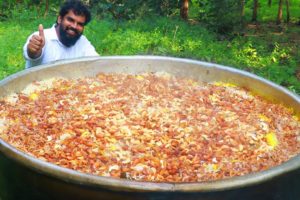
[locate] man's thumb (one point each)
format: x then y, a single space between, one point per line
41 31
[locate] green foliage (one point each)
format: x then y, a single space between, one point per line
223 16
269 14
132 9
268 59
150 36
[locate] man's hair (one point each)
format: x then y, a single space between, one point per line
77 7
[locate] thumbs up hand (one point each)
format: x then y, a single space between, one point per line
36 44
41 32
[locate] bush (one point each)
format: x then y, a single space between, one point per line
222 16
132 9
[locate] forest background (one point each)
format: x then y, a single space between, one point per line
259 36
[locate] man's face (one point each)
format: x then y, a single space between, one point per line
70 28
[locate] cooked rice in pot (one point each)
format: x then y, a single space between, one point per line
149 127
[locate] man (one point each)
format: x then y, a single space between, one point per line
64 40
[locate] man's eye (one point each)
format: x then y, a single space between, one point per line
70 19
81 24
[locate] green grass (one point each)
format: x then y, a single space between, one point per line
269 14
13 35
264 50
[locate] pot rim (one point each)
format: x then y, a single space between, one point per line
76 177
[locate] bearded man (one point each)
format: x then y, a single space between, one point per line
64 40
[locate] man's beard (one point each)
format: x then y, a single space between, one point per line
65 38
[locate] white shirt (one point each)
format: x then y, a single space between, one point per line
54 50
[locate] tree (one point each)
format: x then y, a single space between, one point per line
39 5
243 2
269 3
222 16
184 8
287 3
46 8
132 9
255 10
279 14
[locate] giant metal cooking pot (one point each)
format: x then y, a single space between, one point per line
25 177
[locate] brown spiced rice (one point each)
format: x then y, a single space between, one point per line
149 127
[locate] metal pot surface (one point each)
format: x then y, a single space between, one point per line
25 177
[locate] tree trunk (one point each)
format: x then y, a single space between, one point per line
270 3
184 9
46 8
287 3
255 9
243 8
279 14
